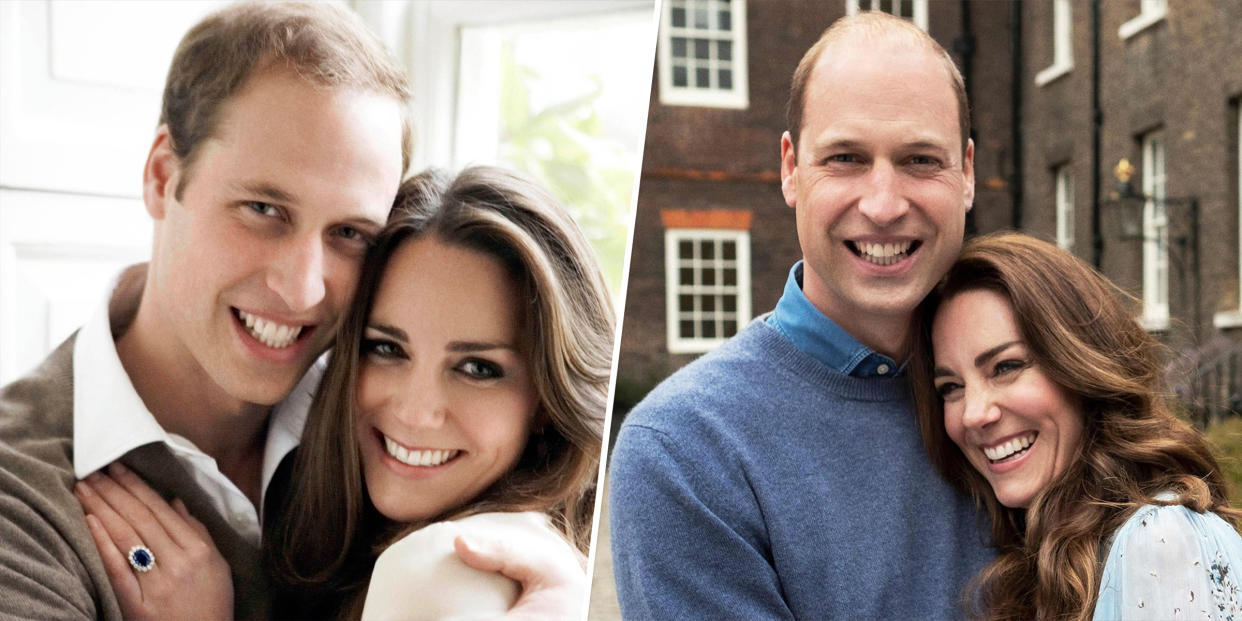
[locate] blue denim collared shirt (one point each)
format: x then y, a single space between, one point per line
821 338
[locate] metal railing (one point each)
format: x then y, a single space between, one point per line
1215 388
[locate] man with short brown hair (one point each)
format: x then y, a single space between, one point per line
782 475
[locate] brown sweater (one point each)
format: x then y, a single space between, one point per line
49 567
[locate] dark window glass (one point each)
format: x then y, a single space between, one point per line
701 49
724 50
709 276
686 276
729 302
728 250
687 329
679 17
708 249
730 327
679 76
679 47
708 303
702 77
724 20
725 79
685 303
709 328
685 249
730 277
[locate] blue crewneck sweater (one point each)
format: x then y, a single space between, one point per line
758 483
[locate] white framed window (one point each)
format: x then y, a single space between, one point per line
1233 318
913 10
1062 43
707 287
1155 235
1065 207
702 53
1150 12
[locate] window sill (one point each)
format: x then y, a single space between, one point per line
1154 324
1228 319
1052 73
1140 23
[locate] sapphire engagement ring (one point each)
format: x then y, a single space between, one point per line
141 559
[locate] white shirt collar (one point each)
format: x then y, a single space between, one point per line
110 419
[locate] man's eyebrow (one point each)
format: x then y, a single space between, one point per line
269 192
925 145
475 346
393 331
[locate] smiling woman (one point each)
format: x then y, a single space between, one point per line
1039 393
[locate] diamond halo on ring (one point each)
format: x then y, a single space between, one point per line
141 558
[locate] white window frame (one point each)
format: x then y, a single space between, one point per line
918 8
1150 12
677 344
1233 318
1064 183
1062 43
1155 234
736 97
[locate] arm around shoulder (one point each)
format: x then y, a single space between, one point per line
687 534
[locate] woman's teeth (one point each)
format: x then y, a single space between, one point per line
270 333
883 254
1009 449
416 457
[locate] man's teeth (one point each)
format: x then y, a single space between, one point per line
270 333
884 254
417 458
1008 449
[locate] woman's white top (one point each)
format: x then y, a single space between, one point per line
420 576
1172 563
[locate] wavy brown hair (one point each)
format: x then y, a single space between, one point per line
1084 338
330 534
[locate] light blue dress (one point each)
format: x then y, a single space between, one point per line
1172 563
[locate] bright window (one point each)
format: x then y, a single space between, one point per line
707 283
703 53
1062 43
1065 207
1155 235
913 10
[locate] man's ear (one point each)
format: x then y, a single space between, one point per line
968 171
161 174
789 170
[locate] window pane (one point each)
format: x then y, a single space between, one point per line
724 50
701 49
686 276
725 20
700 18
730 277
679 17
687 329
709 328
709 276
708 303
679 75
702 77
730 327
725 78
679 47
685 249
685 303
708 249
728 250
729 302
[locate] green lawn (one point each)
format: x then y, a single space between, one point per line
1227 437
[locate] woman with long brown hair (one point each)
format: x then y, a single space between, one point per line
464 396
1039 393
